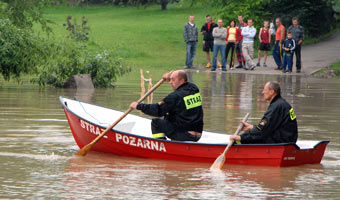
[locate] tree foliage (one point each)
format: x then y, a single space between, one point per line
67 58
53 62
17 46
145 3
317 16
25 13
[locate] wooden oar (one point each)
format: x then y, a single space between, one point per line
219 162
83 151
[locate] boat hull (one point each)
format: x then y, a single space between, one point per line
125 144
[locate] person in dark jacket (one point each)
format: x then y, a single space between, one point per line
299 36
182 110
208 39
288 51
278 125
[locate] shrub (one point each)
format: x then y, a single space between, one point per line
67 58
76 31
20 50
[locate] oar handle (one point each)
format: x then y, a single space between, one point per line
127 112
236 133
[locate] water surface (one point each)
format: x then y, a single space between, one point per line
36 145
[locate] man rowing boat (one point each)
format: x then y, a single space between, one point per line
278 125
182 110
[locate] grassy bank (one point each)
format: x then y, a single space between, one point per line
333 71
145 38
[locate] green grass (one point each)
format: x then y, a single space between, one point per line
146 38
335 67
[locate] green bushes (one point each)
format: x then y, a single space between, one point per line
47 60
67 58
20 50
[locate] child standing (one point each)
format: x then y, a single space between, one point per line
265 40
288 48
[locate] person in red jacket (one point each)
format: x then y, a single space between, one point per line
239 54
232 39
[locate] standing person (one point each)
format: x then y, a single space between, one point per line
298 35
182 110
219 34
190 38
239 53
279 37
278 125
265 39
208 39
248 34
288 47
232 39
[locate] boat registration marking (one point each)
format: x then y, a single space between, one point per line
139 142
289 158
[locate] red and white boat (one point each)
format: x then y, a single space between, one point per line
132 137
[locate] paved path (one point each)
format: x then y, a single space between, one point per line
314 58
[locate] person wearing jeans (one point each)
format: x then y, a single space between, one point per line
190 37
288 47
298 35
219 34
190 53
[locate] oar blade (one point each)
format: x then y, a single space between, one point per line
217 165
83 151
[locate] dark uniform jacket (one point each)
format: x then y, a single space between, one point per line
182 108
208 31
278 125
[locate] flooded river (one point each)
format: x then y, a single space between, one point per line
36 145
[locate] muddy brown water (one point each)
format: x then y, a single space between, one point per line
36 145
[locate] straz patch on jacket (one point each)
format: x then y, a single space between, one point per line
192 101
292 114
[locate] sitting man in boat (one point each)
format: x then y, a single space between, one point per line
278 125
182 110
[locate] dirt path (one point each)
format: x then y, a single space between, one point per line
314 58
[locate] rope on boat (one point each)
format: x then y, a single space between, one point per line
98 122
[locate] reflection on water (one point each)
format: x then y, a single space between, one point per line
36 147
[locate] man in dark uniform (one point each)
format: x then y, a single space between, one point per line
278 125
182 110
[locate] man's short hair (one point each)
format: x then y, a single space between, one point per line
250 19
275 86
182 75
295 18
208 15
279 18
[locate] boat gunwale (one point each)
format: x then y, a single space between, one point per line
181 142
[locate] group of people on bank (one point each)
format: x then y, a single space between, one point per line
239 37
183 115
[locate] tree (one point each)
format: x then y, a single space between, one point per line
17 41
145 3
24 14
317 16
